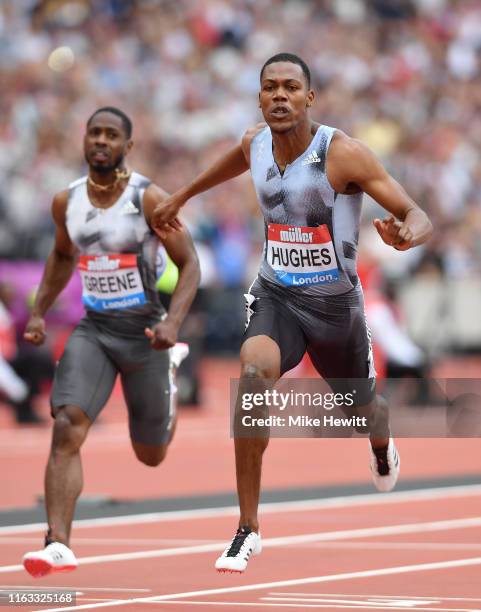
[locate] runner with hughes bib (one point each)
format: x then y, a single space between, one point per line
103 227
309 180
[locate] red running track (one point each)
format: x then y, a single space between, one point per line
411 550
415 550
201 458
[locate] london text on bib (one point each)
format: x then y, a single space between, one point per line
111 282
301 256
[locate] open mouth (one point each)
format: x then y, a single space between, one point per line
100 156
279 112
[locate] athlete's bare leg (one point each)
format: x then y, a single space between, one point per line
260 360
378 418
63 476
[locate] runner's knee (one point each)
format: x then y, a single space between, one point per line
150 455
69 430
260 358
251 369
254 382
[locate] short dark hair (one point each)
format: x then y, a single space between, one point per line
126 122
289 57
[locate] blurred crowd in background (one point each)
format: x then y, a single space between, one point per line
401 75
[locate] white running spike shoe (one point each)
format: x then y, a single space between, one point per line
385 466
178 353
55 557
235 557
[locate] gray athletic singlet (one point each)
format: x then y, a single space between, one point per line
118 253
311 232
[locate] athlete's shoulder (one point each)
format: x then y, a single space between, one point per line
255 133
153 195
350 161
154 192
345 145
258 131
59 206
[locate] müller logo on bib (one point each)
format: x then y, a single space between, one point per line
102 263
301 256
295 234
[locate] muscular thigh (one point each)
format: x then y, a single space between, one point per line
268 316
341 348
149 390
85 374
341 352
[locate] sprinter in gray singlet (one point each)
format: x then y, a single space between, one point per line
103 225
309 180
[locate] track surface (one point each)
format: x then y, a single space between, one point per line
416 550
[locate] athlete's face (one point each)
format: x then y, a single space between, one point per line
105 143
284 96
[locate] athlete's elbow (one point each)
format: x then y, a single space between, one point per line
62 256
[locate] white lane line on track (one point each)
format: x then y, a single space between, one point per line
97 598
385 571
444 546
384 545
371 499
374 601
100 541
30 587
323 536
367 596
261 604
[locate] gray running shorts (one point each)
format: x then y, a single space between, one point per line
332 330
86 374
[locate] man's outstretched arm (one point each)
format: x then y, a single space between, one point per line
353 165
234 163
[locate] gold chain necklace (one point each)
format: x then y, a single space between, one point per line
119 176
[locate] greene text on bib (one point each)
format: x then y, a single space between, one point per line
301 256
111 282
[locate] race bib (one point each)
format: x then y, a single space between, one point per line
111 282
301 256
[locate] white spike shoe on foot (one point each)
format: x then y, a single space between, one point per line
385 466
55 557
235 557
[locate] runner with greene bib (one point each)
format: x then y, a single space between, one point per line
103 225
